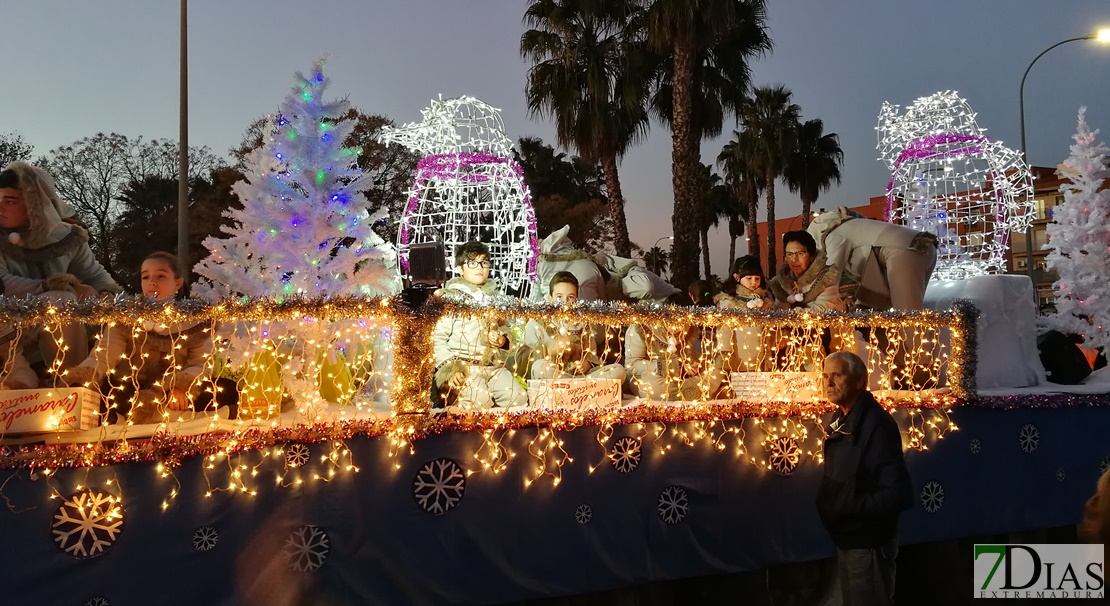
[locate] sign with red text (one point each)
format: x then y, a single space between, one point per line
579 392
48 409
776 386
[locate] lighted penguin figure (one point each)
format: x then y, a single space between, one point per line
467 187
948 178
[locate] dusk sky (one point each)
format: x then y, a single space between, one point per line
77 68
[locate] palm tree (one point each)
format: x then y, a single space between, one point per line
704 47
656 260
588 74
717 202
769 124
748 187
814 165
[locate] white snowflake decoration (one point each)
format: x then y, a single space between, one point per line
673 504
932 496
439 486
306 548
583 514
785 454
1029 438
1061 475
467 187
88 523
97 601
297 455
975 446
1104 465
949 179
204 538
626 454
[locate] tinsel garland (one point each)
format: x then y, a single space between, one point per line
1040 400
414 363
170 449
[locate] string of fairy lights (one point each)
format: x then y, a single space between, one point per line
922 349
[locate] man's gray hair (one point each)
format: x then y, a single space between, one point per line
856 367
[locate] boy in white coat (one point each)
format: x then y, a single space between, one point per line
470 352
564 350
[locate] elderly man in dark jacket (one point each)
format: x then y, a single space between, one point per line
865 486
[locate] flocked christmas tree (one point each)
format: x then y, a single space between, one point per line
1079 241
304 227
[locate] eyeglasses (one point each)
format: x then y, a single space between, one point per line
801 254
477 264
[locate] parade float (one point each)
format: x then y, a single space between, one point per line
337 482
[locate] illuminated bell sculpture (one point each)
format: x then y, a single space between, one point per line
467 187
950 179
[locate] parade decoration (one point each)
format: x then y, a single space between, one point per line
1079 242
949 179
467 187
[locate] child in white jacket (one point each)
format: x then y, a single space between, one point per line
470 352
562 350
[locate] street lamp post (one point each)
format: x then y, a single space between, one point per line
183 152
1103 35
655 264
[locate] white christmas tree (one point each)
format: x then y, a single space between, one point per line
1079 241
304 227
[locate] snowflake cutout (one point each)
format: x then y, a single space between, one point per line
306 548
88 523
439 486
97 601
785 454
1029 438
1061 475
975 446
626 454
932 496
584 514
297 455
673 504
204 538
1104 465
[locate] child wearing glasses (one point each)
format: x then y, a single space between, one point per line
562 350
470 352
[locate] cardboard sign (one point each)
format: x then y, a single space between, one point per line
49 409
776 386
579 392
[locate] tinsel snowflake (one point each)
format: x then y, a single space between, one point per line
673 504
297 455
785 454
97 601
439 486
626 454
932 496
204 538
1104 465
306 548
1029 438
583 514
975 446
1061 475
88 523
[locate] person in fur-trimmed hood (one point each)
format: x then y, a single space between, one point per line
805 279
470 353
42 255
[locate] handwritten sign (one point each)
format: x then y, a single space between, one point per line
776 386
42 410
575 393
